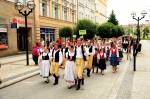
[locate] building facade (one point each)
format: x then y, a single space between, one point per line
12 29
45 21
50 15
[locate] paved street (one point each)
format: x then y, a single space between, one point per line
96 87
123 85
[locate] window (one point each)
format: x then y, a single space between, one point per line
55 10
44 8
73 15
65 13
3 36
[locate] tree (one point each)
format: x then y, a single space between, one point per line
109 30
105 30
130 31
87 25
65 32
145 32
112 18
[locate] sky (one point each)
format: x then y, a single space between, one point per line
124 8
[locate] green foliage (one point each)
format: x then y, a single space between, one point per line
65 32
87 25
109 30
130 31
104 30
145 32
112 18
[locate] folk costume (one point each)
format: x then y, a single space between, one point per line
89 56
114 59
55 63
45 68
80 59
69 74
102 61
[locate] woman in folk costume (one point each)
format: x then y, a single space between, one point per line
114 57
41 50
70 67
101 60
56 61
89 56
80 59
45 64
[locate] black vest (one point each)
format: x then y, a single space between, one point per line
84 57
56 56
73 57
45 57
90 49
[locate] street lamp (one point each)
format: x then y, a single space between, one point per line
25 9
133 14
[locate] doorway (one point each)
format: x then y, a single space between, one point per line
21 38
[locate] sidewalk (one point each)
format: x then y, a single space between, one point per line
14 69
14 58
141 80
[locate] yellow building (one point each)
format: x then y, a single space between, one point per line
50 15
101 11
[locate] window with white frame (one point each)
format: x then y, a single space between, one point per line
55 10
44 8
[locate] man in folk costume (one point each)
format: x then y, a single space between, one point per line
89 53
79 60
56 62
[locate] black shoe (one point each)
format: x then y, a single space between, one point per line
78 86
69 87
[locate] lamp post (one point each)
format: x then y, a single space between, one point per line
25 9
133 14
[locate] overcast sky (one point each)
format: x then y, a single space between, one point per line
124 8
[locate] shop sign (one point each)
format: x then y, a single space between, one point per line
20 22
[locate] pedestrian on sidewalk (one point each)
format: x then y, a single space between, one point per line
35 53
45 68
101 60
69 74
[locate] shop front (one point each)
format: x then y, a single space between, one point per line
47 34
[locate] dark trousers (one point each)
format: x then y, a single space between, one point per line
35 59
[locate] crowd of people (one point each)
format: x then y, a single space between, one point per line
78 57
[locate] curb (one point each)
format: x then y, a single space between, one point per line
13 81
